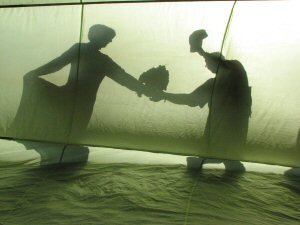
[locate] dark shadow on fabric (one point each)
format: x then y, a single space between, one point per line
53 105
292 176
75 154
292 180
208 176
228 97
229 105
233 169
52 171
230 165
49 112
57 155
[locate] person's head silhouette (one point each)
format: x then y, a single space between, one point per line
100 35
213 60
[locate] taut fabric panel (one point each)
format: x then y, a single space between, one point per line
265 38
153 37
133 77
36 90
30 153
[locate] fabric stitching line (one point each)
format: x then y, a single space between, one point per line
214 83
77 74
209 121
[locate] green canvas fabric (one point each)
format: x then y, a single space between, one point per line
144 194
33 106
119 115
248 110
30 153
267 46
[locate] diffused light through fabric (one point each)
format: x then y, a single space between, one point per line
58 84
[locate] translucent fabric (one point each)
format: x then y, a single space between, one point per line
267 45
36 107
59 83
119 116
144 194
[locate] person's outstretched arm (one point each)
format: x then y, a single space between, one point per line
120 76
56 64
182 99
199 97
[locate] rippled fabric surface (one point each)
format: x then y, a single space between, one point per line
144 194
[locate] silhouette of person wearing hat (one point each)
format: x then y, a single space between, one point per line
228 97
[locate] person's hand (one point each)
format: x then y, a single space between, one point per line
157 96
153 94
30 74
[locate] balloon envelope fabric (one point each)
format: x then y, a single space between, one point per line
69 74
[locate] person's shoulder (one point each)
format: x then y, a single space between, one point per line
234 64
110 64
75 46
207 85
108 60
106 57
71 52
210 81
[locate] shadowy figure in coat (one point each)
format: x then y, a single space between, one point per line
51 112
228 97
89 66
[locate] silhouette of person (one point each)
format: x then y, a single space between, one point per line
228 97
89 66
